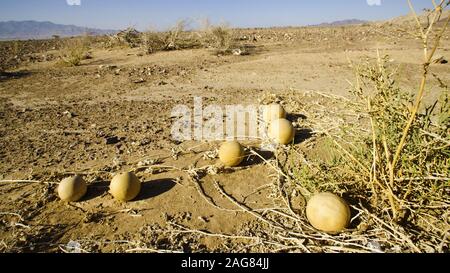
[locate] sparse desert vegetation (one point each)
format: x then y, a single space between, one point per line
369 104
75 50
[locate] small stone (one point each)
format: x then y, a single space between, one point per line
112 140
140 80
144 142
203 219
69 114
237 52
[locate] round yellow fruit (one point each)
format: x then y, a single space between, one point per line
273 112
282 131
328 212
125 186
231 153
72 189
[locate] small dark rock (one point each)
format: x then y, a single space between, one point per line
112 140
69 114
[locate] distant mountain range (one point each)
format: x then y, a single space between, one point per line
21 30
342 23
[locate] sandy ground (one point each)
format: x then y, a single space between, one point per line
56 121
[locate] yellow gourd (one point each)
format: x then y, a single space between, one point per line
125 187
282 131
273 112
231 153
72 189
328 212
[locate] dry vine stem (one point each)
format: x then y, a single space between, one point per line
437 12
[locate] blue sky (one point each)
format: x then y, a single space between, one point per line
160 14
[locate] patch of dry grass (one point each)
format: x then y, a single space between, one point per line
219 37
13 54
176 38
222 37
75 50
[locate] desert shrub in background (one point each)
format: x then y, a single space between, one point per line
16 48
222 37
173 37
74 50
127 38
219 37
130 37
177 37
12 55
152 42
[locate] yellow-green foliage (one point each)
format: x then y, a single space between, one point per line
74 51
